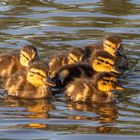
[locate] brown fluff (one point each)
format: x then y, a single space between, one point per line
75 55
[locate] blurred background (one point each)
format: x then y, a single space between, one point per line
55 26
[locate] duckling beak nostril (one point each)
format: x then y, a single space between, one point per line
49 82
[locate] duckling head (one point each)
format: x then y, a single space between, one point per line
112 43
107 82
37 75
102 61
55 63
28 53
76 55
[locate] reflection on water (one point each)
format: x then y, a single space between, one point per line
55 26
34 109
106 113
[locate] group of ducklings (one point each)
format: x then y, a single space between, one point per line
86 74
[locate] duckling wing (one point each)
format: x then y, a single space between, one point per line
67 73
8 64
56 62
15 83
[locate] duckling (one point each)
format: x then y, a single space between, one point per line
74 56
32 84
11 62
97 90
102 61
112 43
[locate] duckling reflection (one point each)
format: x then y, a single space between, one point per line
105 113
35 109
74 55
12 62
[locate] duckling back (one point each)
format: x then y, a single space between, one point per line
9 64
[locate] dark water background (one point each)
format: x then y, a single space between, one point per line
55 26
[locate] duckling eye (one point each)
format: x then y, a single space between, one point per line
106 62
104 83
98 63
109 46
39 74
113 82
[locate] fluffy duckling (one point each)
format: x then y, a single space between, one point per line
74 56
32 84
11 62
102 61
111 43
97 90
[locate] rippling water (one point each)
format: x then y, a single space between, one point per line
58 25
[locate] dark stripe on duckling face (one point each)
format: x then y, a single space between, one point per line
105 61
30 50
73 58
106 44
107 82
25 56
47 80
38 77
37 73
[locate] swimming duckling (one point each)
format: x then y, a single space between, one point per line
11 62
96 90
112 43
32 84
102 61
74 56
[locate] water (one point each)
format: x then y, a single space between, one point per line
55 26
